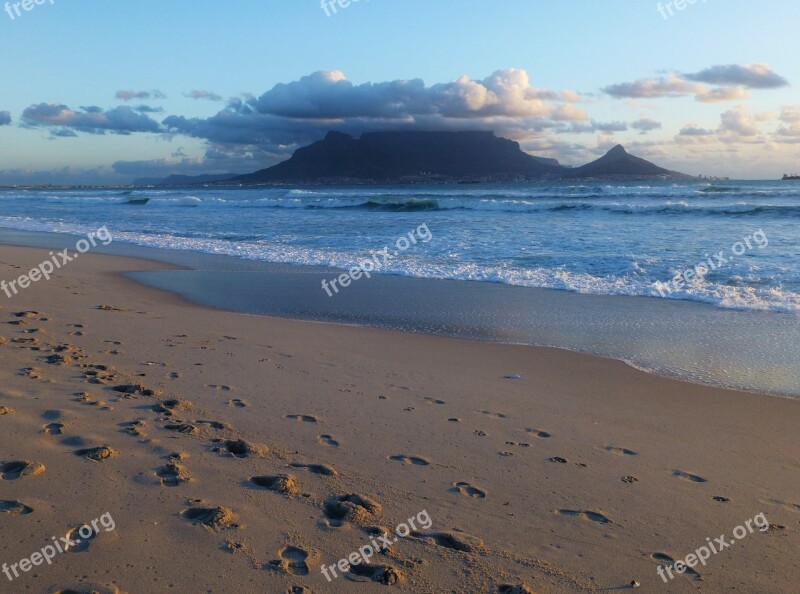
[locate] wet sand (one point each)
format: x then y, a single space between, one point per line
561 471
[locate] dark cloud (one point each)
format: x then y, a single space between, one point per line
148 109
92 119
5 118
752 76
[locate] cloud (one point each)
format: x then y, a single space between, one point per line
302 111
790 116
738 126
594 126
751 76
722 94
731 83
199 94
148 109
645 125
651 88
5 118
131 95
695 130
92 119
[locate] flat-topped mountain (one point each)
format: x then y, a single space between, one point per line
618 163
430 156
395 155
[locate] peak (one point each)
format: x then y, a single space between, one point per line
618 150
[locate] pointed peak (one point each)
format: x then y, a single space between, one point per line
618 150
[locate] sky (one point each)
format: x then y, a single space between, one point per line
106 92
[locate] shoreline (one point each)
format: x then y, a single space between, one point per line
368 411
657 336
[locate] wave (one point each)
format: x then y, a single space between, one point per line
731 291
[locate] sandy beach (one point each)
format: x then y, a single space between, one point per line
238 453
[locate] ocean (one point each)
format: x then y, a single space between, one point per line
697 280
599 238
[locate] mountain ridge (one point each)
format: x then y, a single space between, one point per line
430 156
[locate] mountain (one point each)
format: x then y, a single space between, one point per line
619 163
183 180
393 156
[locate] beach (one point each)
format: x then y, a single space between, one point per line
540 469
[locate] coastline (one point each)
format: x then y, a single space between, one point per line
751 351
375 405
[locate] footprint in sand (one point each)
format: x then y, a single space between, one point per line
280 483
212 517
467 489
293 561
238 448
31 372
236 403
455 541
135 428
81 538
219 387
687 476
328 441
97 454
434 401
171 407
53 429
11 471
620 451
496 415
415 460
15 508
369 572
219 425
173 474
353 507
585 515
663 558
185 428
321 469
514 589
539 434
303 418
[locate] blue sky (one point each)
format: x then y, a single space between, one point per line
710 89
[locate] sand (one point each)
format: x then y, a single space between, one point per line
240 454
